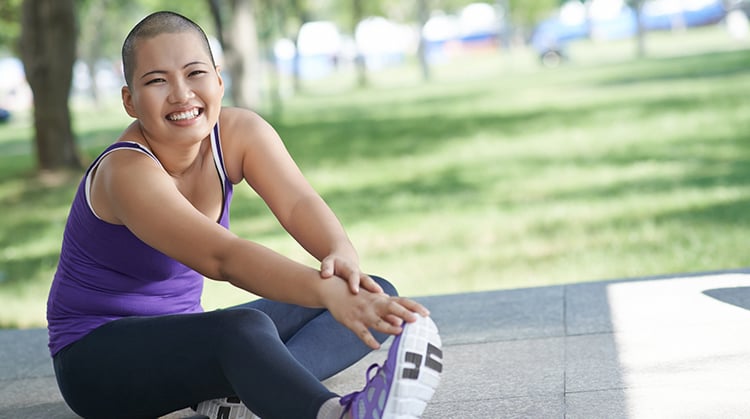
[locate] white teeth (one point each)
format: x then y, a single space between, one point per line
183 115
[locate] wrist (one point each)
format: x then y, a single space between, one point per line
346 252
330 291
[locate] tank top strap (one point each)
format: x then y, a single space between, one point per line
226 184
128 145
121 145
218 155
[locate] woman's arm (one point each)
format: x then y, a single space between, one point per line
269 169
140 195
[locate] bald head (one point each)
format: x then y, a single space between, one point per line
153 25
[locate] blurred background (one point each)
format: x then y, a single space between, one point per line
466 146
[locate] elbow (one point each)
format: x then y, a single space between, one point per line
217 264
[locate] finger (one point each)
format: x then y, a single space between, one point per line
414 307
353 279
367 337
326 268
405 309
394 320
369 284
385 326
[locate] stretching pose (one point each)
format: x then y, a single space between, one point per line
128 336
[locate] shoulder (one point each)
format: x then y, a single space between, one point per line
127 168
119 176
128 151
245 136
237 121
129 157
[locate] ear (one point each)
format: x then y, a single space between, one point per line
221 81
127 101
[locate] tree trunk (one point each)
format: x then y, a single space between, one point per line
503 24
359 59
423 14
275 16
48 41
91 44
304 16
641 33
215 7
241 54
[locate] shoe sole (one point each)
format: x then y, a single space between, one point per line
419 363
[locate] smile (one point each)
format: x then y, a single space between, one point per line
185 115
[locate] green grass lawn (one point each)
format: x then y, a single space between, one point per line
497 174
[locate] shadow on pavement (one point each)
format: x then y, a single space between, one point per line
737 296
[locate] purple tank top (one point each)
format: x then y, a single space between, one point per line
106 273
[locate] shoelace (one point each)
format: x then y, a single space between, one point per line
347 400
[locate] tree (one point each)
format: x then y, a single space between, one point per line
99 44
48 44
92 50
423 15
361 65
637 5
301 11
239 41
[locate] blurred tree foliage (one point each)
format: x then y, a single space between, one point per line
526 13
10 25
103 24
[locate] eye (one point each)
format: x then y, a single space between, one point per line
196 73
155 81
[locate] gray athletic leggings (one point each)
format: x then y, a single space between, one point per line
272 355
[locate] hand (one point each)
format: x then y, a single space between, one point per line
348 269
378 311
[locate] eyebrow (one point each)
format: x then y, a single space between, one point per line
164 71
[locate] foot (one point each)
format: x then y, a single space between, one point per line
407 380
226 408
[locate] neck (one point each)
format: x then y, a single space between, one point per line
178 158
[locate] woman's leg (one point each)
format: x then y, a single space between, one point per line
143 367
319 342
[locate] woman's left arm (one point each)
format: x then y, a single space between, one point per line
255 152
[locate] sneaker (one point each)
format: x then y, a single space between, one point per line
407 380
226 408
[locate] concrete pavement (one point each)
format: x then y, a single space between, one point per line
662 347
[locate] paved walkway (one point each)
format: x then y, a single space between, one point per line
669 347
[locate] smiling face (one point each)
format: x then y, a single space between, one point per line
175 91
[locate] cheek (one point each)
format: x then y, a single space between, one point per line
216 94
217 91
152 105
147 109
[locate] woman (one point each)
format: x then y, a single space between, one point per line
128 336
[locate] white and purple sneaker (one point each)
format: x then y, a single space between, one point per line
401 388
225 408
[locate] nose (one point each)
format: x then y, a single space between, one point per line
180 91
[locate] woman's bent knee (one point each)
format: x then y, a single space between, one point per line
241 321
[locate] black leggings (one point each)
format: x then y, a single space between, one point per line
272 355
